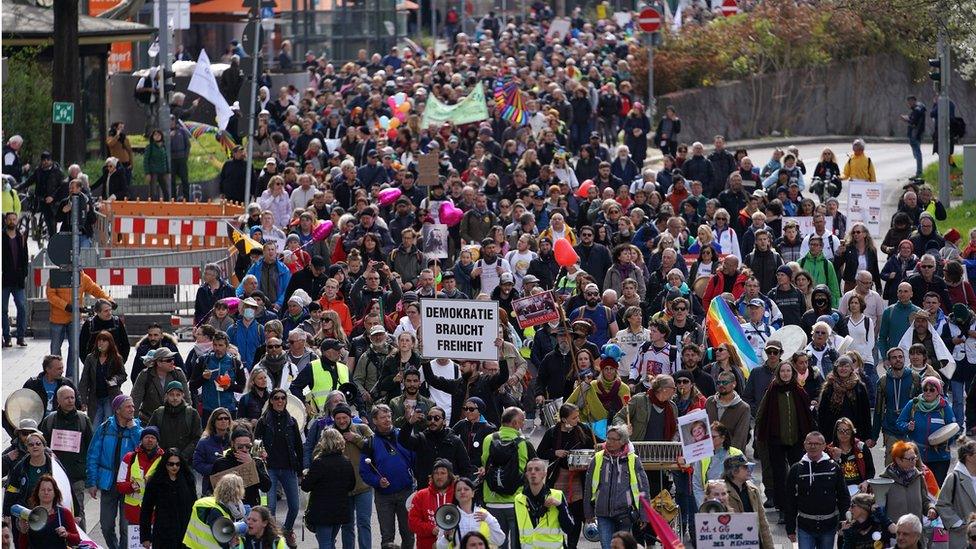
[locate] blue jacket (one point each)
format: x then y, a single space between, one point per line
207 452
927 423
247 339
103 465
284 276
211 397
392 460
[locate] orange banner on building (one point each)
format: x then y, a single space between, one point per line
120 56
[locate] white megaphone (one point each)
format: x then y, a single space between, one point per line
36 518
224 529
879 487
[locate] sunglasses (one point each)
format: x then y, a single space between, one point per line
684 382
223 418
931 389
926 266
279 397
724 382
773 351
909 458
680 309
435 418
34 444
274 346
172 464
165 360
470 408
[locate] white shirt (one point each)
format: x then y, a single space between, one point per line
874 307
520 264
489 276
300 197
446 371
629 342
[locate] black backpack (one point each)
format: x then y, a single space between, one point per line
502 472
957 127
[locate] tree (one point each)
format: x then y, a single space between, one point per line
66 70
30 114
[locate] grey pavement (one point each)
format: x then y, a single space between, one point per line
893 163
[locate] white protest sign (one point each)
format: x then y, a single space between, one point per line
806 224
133 537
696 436
66 441
559 28
864 205
622 18
459 329
717 530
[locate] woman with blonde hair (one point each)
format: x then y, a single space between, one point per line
726 238
329 480
727 360
860 254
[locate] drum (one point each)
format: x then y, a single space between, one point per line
579 460
944 434
792 338
550 413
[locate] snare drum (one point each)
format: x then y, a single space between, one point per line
579 460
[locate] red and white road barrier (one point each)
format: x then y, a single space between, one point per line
133 276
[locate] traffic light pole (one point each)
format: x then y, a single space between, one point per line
164 67
651 102
75 284
943 120
251 115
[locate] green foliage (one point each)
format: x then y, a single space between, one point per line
931 176
30 115
782 35
206 158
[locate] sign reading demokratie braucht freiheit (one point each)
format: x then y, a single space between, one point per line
459 329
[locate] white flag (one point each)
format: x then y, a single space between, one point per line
204 84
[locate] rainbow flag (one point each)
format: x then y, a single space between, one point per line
197 130
722 326
508 101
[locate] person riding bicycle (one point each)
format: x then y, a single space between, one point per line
46 179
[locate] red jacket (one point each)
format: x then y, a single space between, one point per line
421 517
963 293
123 483
716 286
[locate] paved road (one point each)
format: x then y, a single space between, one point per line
893 163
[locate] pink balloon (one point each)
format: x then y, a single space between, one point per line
233 303
392 103
401 116
322 231
449 214
389 196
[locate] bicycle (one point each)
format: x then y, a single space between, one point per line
32 221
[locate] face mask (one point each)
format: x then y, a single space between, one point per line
249 314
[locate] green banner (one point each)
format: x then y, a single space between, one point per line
470 109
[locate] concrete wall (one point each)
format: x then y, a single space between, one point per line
864 96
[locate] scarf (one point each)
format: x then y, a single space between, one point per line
902 477
670 420
609 394
841 388
201 349
275 364
626 269
801 379
684 403
926 406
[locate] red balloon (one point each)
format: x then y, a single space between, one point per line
391 134
584 188
565 254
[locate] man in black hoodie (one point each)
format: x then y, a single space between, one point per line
816 496
472 383
239 453
764 260
233 176
311 279
593 258
544 267
791 301
435 442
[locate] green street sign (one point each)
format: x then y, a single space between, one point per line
64 113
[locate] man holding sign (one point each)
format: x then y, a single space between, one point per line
70 434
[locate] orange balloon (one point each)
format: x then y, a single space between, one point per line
404 107
394 123
564 252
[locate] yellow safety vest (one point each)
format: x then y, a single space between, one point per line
323 383
135 475
198 534
546 534
706 462
632 468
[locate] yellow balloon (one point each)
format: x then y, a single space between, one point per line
404 107
394 123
